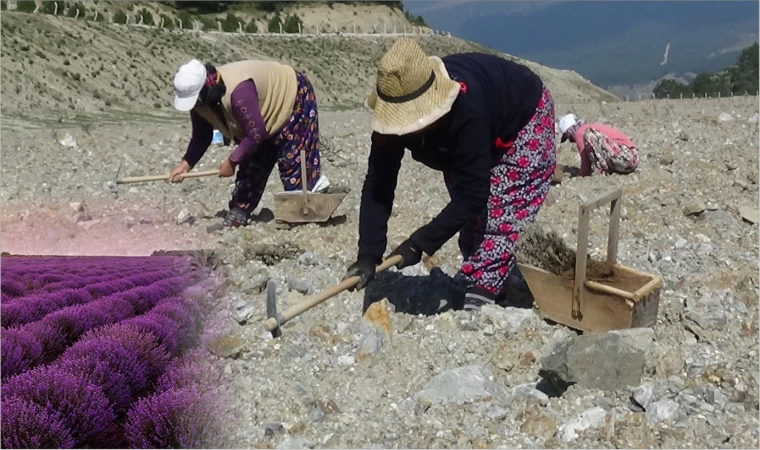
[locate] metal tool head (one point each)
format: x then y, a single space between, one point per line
272 307
114 186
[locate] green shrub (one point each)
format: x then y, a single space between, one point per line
187 20
251 27
168 22
274 24
292 23
230 23
209 23
72 10
25 6
49 8
147 17
120 17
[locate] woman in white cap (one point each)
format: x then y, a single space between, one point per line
268 109
485 122
603 149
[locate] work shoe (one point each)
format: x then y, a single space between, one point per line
476 298
236 217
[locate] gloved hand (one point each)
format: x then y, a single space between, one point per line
409 252
364 267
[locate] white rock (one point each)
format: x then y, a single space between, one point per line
662 411
725 117
642 395
345 360
590 418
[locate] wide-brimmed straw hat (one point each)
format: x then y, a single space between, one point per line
412 90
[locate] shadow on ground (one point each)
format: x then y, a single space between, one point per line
438 292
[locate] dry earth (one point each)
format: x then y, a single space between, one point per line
427 377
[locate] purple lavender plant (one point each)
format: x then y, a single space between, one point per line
165 329
143 345
192 369
182 418
28 425
12 288
20 351
120 372
79 404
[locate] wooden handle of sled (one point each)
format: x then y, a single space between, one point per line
304 183
148 178
271 323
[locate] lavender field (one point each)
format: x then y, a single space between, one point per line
102 352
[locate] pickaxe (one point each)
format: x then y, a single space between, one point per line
275 321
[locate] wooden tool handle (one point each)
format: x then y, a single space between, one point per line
271 323
144 179
304 183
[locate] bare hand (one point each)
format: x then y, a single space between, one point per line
176 174
226 169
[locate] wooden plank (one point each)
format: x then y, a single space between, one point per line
602 200
614 233
580 264
646 309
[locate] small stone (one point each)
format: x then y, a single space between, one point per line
694 208
256 283
297 443
488 330
590 418
667 159
176 137
731 166
741 184
642 395
300 285
87 224
725 117
662 411
681 243
322 333
509 320
273 429
345 360
215 227
376 328
540 425
82 217
751 215
227 346
243 312
469 384
77 207
447 322
184 217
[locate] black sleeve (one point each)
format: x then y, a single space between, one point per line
471 168
203 134
377 195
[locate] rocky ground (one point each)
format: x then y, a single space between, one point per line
419 374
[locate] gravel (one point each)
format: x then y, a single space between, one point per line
430 376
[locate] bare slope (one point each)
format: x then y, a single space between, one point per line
57 67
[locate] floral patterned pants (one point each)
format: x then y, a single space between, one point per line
520 181
607 156
301 132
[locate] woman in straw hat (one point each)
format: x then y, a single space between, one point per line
485 122
270 111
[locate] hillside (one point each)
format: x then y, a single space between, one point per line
59 67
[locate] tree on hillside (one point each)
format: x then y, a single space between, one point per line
736 79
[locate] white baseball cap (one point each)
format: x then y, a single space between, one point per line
565 123
188 83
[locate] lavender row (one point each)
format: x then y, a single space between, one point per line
79 399
20 286
44 340
21 311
